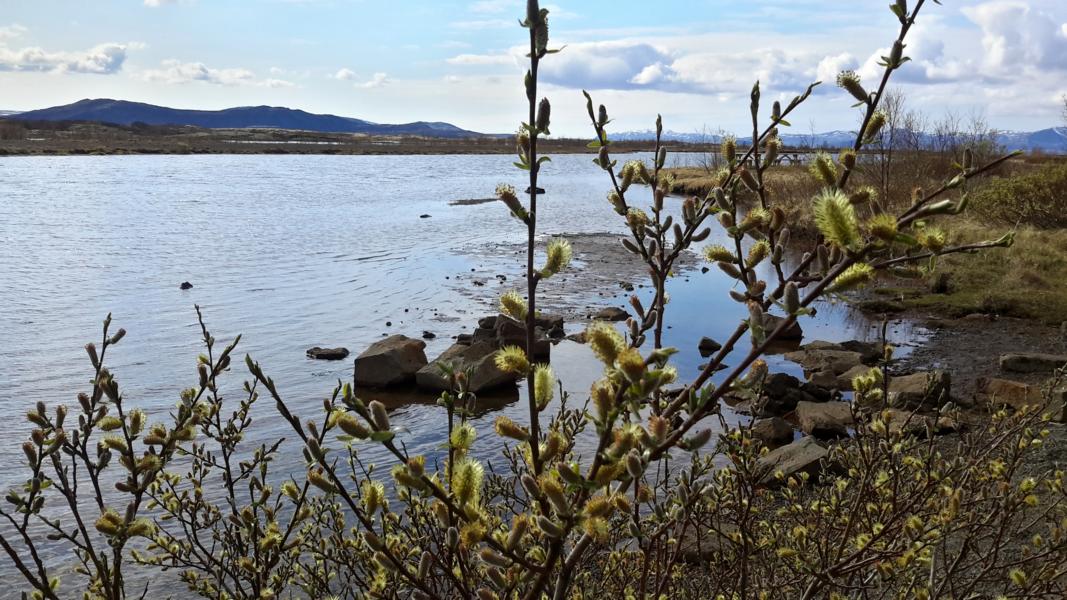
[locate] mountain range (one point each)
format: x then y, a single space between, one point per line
1052 140
122 112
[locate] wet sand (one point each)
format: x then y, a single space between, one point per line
602 274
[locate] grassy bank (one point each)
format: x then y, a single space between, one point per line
1026 280
1027 195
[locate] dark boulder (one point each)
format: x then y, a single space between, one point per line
510 332
1032 362
825 420
612 313
781 394
708 346
773 433
479 357
805 455
792 333
392 361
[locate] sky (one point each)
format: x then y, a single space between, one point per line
461 61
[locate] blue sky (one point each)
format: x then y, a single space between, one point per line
460 60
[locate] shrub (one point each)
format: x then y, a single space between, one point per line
1037 199
893 515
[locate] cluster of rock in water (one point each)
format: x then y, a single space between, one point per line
399 360
920 403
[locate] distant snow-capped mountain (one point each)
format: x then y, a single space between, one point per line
1052 140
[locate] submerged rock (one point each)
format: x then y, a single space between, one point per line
327 353
578 338
708 346
792 333
185 286
389 362
881 305
612 313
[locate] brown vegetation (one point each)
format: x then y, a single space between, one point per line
43 138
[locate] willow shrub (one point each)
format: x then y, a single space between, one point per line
655 512
1037 199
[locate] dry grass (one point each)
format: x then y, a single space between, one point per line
1027 280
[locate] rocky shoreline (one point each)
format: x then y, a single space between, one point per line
950 381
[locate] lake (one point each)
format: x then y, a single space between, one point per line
292 252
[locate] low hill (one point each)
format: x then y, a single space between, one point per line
122 112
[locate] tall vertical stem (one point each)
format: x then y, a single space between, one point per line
531 276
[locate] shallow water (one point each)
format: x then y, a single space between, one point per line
292 252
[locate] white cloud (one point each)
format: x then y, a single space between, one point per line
736 71
608 65
158 3
492 6
556 12
481 59
103 59
651 74
634 64
985 53
177 72
277 83
482 24
376 81
1014 34
9 32
830 66
344 74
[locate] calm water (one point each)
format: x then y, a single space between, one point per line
290 251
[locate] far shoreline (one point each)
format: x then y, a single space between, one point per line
98 139
102 140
